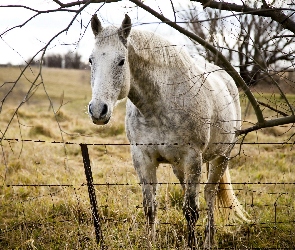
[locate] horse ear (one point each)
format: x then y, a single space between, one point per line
125 27
95 25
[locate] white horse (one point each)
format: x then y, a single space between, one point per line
177 113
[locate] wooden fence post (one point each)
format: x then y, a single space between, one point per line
92 196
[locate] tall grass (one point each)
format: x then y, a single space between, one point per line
44 200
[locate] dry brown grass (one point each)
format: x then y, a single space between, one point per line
58 216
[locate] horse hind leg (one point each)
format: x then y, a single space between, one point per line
216 171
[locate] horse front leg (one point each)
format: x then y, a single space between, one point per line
149 204
216 171
192 174
146 168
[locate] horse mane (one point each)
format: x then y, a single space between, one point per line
157 50
149 46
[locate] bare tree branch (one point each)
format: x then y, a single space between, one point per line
262 123
20 25
275 14
37 11
267 124
227 65
72 4
256 51
39 75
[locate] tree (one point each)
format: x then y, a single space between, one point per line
256 48
72 60
53 61
275 14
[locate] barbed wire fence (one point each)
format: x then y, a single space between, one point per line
280 202
102 208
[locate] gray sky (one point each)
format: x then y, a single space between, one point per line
20 44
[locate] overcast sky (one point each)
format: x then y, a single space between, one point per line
20 44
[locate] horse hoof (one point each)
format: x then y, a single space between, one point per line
191 242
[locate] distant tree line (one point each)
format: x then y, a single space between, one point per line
69 60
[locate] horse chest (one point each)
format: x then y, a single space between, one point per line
157 127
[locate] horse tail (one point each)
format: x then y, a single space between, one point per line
228 204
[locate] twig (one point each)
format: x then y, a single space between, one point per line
72 4
39 73
272 108
283 36
173 10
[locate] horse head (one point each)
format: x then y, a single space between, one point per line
110 75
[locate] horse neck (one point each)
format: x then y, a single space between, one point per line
150 66
143 88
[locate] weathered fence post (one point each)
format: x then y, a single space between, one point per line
92 196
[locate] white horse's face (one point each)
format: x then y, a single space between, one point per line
110 75
110 81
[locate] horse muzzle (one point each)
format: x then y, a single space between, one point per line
99 121
100 115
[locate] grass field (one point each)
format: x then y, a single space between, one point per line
44 202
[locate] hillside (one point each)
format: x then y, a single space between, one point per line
44 202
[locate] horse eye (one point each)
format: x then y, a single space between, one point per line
90 61
121 63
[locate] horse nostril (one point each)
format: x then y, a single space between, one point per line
104 110
89 109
